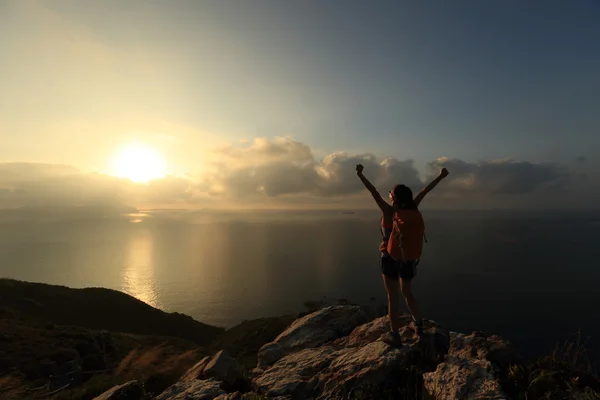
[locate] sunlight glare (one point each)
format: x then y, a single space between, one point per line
138 163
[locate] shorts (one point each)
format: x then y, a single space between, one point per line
398 269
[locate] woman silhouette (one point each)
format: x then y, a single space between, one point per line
402 271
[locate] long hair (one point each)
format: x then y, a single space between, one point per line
402 198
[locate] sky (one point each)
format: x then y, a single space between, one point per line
273 103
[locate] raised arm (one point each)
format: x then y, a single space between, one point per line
380 202
418 198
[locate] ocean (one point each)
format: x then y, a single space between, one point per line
530 276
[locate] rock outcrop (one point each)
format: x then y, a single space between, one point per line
336 353
197 370
225 369
460 378
131 390
194 389
471 368
335 363
311 331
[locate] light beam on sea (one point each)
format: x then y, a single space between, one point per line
138 275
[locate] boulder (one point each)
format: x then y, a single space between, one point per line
131 390
375 367
313 330
462 378
293 374
196 372
321 326
371 363
471 368
500 352
223 368
195 389
269 354
336 369
436 340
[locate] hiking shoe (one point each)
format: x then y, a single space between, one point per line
393 339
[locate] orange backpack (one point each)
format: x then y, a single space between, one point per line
406 241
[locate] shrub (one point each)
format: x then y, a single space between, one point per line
566 373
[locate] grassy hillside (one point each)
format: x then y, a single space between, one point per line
37 358
99 309
90 339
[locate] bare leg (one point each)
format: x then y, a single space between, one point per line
393 294
411 302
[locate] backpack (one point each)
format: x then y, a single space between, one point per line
406 241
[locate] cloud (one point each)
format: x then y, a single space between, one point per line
262 150
284 166
167 190
262 167
338 176
35 185
502 177
283 172
18 172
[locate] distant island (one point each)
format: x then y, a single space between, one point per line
62 343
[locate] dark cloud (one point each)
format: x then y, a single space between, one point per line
338 176
262 167
283 166
271 179
285 178
395 172
503 177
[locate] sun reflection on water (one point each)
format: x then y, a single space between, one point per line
138 275
136 218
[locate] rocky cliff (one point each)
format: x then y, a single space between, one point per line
335 353
58 343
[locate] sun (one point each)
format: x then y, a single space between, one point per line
138 163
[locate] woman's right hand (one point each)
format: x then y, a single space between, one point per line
359 169
444 173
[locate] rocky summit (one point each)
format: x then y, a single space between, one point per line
336 353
